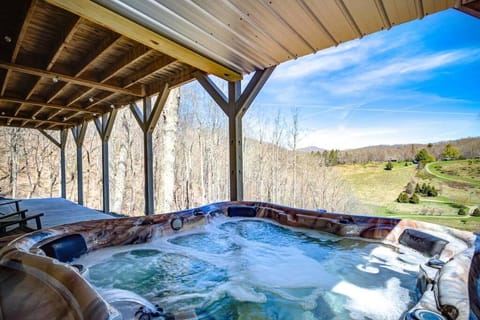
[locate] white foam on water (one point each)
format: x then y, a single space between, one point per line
276 267
384 303
406 261
368 269
243 292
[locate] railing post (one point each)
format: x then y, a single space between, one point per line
104 128
79 136
235 106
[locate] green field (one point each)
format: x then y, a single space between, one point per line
462 171
458 182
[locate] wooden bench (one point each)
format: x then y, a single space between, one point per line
17 218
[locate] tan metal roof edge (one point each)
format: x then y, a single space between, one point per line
117 23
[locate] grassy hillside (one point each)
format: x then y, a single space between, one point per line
458 183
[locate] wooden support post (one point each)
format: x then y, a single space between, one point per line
104 128
61 144
79 136
235 142
63 168
147 122
235 106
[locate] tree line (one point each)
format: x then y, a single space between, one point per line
190 161
459 149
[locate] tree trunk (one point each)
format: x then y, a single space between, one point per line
14 139
120 171
168 125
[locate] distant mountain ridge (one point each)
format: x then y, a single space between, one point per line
311 149
468 147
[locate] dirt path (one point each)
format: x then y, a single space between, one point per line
443 177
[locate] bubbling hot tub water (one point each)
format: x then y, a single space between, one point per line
254 269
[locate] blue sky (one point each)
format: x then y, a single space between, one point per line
416 83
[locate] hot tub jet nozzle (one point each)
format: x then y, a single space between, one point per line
145 314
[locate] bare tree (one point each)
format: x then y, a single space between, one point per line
168 132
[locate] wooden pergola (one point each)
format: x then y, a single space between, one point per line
66 63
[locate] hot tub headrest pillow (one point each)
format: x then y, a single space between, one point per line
242 211
66 249
425 243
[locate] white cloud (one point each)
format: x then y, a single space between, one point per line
395 71
346 54
331 59
412 131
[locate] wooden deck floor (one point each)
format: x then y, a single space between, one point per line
59 211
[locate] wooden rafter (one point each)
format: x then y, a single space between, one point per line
65 37
175 81
139 71
94 55
89 107
67 78
96 102
129 58
99 51
153 67
42 121
22 31
44 105
113 21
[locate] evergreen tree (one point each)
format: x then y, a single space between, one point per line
414 199
403 198
451 152
424 156
418 189
476 212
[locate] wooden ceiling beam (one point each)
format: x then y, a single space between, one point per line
69 79
107 98
129 58
173 82
79 96
101 100
23 30
37 126
44 105
100 50
57 92
132 56
157 65
65 37
132 30
41 121
18 38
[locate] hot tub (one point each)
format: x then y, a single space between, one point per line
261 260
